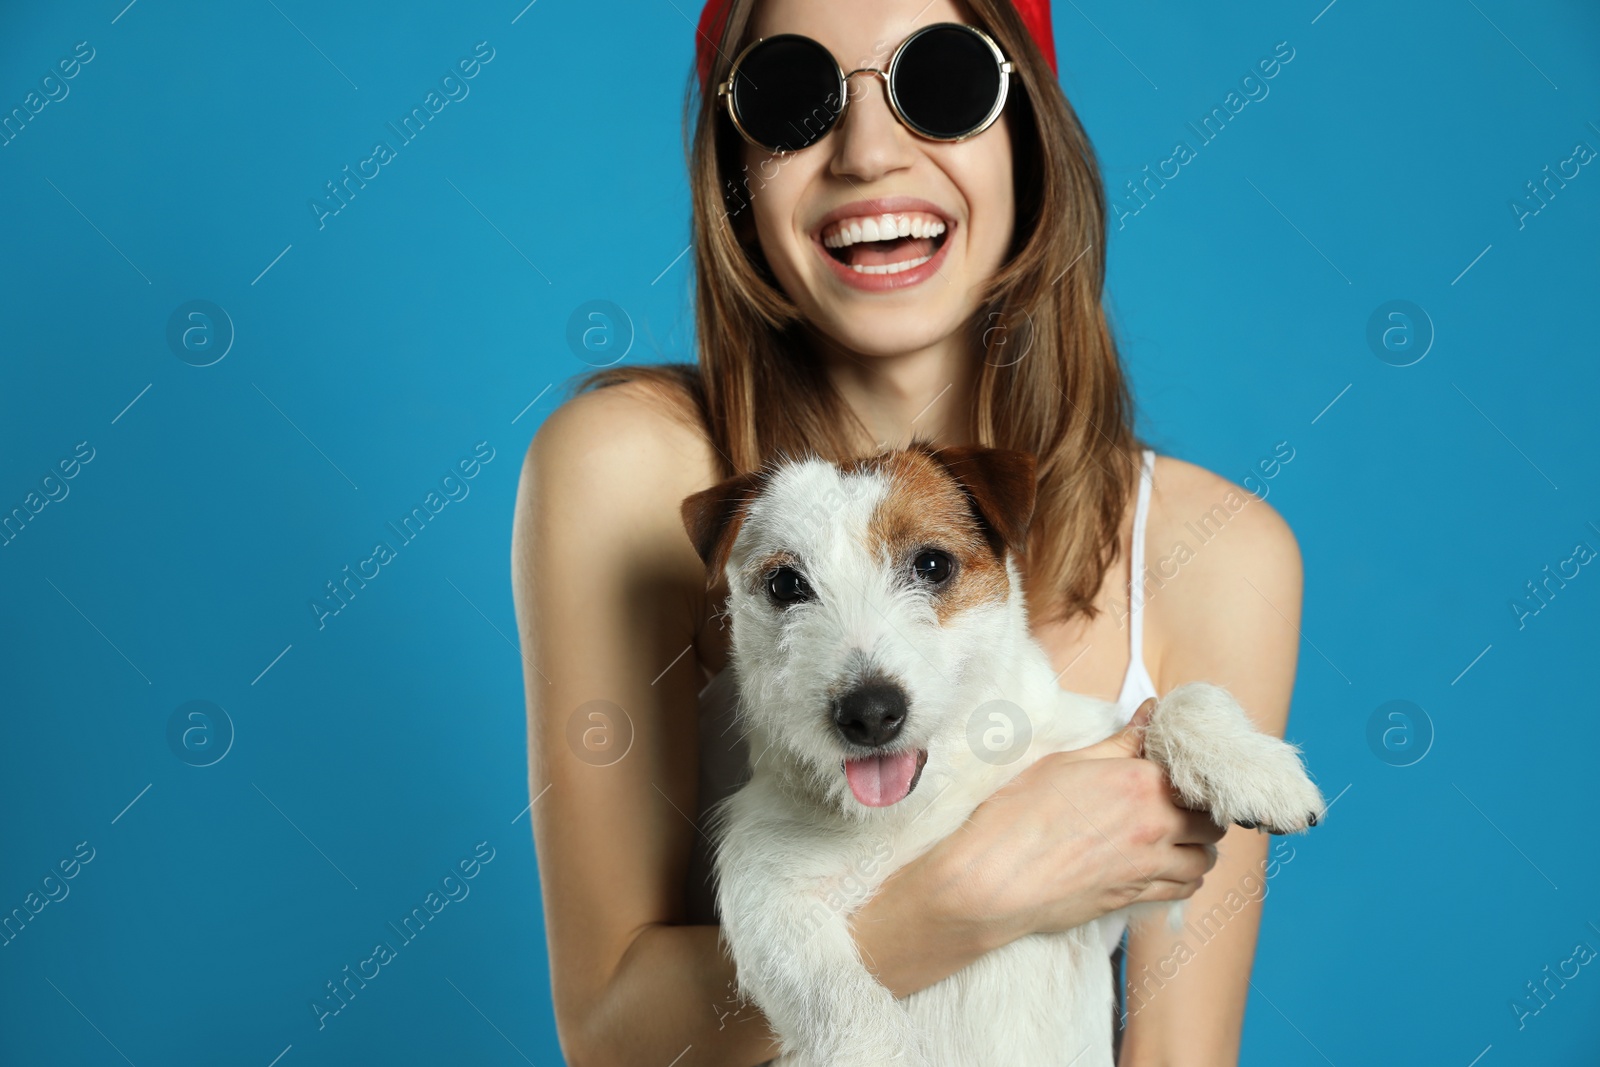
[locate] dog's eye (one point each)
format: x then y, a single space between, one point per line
933 567
788 586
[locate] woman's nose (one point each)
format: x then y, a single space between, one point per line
870 141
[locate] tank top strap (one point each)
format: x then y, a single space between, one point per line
1137 685
1136 591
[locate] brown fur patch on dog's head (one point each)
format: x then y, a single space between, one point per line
972 502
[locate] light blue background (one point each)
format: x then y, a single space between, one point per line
430 314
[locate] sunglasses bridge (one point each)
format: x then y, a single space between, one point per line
850 93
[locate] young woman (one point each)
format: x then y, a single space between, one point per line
817 333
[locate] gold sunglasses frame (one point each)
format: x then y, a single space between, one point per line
1005 66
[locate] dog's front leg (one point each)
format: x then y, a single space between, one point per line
1219 762
795 958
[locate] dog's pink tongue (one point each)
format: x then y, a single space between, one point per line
879 781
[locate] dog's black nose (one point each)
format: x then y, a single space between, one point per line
871 714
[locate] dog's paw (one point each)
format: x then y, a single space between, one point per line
1260 785
1218 762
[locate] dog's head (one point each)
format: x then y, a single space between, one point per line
859 597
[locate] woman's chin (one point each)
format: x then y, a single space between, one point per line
881 333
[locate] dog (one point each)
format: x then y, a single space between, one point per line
888 683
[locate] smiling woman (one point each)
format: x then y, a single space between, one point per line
881 194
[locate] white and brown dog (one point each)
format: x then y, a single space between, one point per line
888 684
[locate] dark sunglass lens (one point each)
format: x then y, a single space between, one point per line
947 81
786 92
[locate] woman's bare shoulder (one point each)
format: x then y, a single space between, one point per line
616 453
1197 508
1222 567
599 496
624 431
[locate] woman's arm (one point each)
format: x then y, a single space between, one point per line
604 580
1231 617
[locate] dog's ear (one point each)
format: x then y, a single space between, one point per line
1000 485
712 518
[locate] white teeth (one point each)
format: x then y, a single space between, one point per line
882 228
891 268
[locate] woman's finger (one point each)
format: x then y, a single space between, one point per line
1127 742
1187 863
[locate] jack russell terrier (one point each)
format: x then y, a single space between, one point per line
888 684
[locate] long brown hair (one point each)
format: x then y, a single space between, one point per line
759 390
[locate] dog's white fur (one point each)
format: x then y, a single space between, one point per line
797 854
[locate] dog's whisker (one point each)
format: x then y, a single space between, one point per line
758 760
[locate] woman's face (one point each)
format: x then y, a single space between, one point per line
868 155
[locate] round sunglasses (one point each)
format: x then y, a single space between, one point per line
946 82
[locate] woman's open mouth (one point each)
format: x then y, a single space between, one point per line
889 251
888 244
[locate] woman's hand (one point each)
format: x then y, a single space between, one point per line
1075 836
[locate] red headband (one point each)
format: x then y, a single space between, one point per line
714 17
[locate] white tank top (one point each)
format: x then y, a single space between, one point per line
724 760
